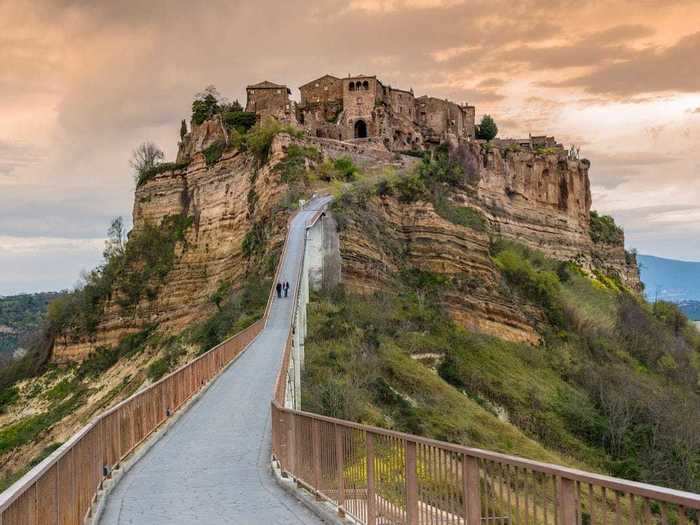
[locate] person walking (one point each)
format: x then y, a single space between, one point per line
279 290
286 288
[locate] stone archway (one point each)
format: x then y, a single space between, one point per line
360 129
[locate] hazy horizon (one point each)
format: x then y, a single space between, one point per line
82 84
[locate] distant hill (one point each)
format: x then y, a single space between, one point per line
669 279
691 309
19 316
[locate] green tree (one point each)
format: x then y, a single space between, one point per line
183 129
487 129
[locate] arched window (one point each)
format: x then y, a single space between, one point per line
360 129
352 86
365 85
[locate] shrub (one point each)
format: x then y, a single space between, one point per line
440 168
8 395
158 368
541 286
213 152
241 121
487 129
103 357
151 173
410 189
345 168
462 215
604 230
259 138
293 166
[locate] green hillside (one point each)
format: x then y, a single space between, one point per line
610 387
19 316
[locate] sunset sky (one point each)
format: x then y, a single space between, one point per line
84 82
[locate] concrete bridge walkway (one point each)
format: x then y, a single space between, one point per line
213 466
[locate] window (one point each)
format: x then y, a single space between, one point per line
365 85
352 86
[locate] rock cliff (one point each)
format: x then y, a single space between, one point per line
223 201
542 200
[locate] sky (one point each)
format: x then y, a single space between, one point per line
82 83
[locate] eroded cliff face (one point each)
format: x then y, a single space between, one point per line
222 202
377 242
543 201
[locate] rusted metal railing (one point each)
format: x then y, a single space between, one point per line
383 477
62 488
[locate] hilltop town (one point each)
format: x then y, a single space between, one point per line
364 109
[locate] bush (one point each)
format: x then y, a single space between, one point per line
158 368
410 189
604 230
213 152
440 169
540 286
487 129
259 138
131 271
292 167
241 121
151 173
8 395
254 240
462 215
103 357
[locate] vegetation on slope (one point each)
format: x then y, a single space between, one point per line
614 385
19 316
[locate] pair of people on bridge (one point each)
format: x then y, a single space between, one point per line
282 287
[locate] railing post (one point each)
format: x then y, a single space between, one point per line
411 484
340 462
471 489
316 454
566 501
371 508
291 443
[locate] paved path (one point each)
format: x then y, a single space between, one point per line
212 466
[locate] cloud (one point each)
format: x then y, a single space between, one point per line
649 70
15 155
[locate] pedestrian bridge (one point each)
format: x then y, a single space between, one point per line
237 410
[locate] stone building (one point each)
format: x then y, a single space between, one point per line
362 108
267 99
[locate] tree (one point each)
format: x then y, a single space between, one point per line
145 157
183 129
116 239
487 129
207 103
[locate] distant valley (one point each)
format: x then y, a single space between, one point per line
19 316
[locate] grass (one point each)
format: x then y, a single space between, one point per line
30 428
10 479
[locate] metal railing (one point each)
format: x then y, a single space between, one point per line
62 488
381 477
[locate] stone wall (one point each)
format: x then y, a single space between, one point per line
270 102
